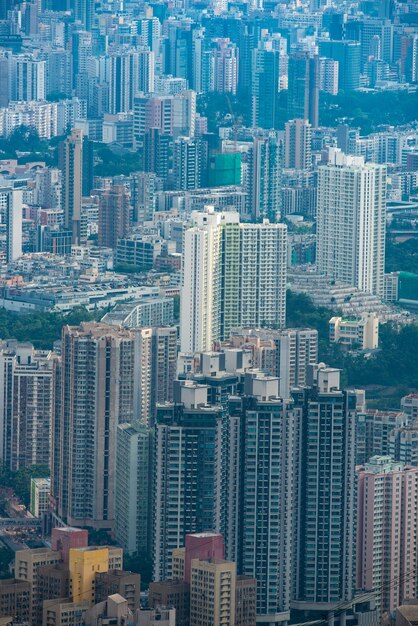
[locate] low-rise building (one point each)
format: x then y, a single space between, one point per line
127 584
175 593
15 600
40 489
160 616
138 251
147 310
360 332
64 612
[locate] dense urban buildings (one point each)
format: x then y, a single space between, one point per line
208 312
234 274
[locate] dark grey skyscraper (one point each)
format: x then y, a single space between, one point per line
83 12
265 88
347 53
303 87
261 481
187 477
325 572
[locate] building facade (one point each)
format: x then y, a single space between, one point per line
233 274
351 222
96 395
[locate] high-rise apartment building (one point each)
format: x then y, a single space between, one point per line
373 29
206 546
184 113
403 443
157 150
245 601
15 600
81 51
83 12
67 537
125 583
351 221
53 583
205 588
374 434
71 164
328 75
6 75
155 363
11 207
40 490
175 593
387 517
128 73
303 87
26 405
263 177
133 495
325 571
212 593
151 112
262 486
233 275
225 66
265 87
62 612
189 163
96 395
145 186
409 405
114 215
298 150
58 72
163 364
28 78
186 472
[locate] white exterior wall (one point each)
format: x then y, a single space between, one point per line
351 222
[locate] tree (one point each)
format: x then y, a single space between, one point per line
19 481
140 563
402 257
176 308
6 558
56 96
41 329
369 110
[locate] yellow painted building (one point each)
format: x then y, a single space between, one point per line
84 564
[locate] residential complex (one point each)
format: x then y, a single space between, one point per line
351 221
233 274
208 312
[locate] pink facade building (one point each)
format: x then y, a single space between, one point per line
63 539
153 112
387 522
203 546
